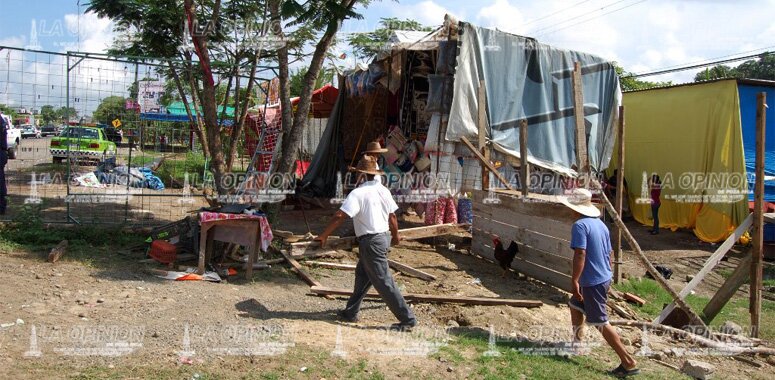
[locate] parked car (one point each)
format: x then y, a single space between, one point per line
30 131
13 137
88 143
49 130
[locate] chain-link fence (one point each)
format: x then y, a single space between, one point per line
98 142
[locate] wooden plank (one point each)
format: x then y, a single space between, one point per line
535 205
486 163
324 264
482 124
578 111
524 173
524 236
758 223
728 289
634 299
484 249
694 318
711 263
427 298
619 197
559 230
769 217
306 247
57 252
409 271
299 270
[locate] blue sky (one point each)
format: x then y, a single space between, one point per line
642 35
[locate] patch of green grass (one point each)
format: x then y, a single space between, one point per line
736 310
515 362
176 169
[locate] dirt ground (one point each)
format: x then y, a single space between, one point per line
115 319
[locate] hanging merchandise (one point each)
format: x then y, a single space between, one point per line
465 210
450 210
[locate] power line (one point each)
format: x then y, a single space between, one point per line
684 68
555 13
714 58
592 18
540 30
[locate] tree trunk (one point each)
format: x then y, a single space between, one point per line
197 125
284 72
293 137
239 122
209 108
200 130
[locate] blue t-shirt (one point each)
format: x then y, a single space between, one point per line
591 234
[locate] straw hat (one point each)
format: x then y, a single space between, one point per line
580 200
374 148
368 165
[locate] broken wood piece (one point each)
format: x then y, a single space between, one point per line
486 163
736 347
57 252
324 264
748 361
301 272
409 271
300 248
668 365
634 299
622 312
484 301
710 263
738 277
693 317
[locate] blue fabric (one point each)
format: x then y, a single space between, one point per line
153 181
748 104
593 306
591 234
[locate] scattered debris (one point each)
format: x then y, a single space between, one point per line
731 328
748 361
634 299
57 252
485 301
697 369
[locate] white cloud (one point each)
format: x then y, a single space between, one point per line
502 15
95 33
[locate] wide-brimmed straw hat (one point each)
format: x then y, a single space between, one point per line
580 200
368 165
374 147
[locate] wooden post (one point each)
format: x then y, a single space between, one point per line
728 289
693 317
482 113
758 219
486 163
619 197
581 131
524 172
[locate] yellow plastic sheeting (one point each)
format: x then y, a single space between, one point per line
691 137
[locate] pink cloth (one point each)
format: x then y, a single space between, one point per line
450 211
266 229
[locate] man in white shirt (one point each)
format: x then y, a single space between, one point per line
373 211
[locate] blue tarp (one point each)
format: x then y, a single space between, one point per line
748 102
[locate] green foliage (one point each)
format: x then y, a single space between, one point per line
110 108
47 114
64 114
297 80
628 83
371 43
762 68
6 110
174 170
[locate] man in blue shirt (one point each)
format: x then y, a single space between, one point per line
591 277
3 160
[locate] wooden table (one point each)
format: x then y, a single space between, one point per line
245 232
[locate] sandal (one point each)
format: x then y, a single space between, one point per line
620 371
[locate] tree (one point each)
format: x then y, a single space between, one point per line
716 72
110 108
9 111
629 83
370 43
297 80
47 114
65 114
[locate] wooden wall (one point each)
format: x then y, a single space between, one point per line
539 225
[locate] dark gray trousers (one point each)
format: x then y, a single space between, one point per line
373 269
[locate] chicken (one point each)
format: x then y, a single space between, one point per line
504 256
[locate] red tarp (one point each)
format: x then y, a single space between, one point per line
323 100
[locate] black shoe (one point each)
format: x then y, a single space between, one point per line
404 327
621 372
340 315
654 232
